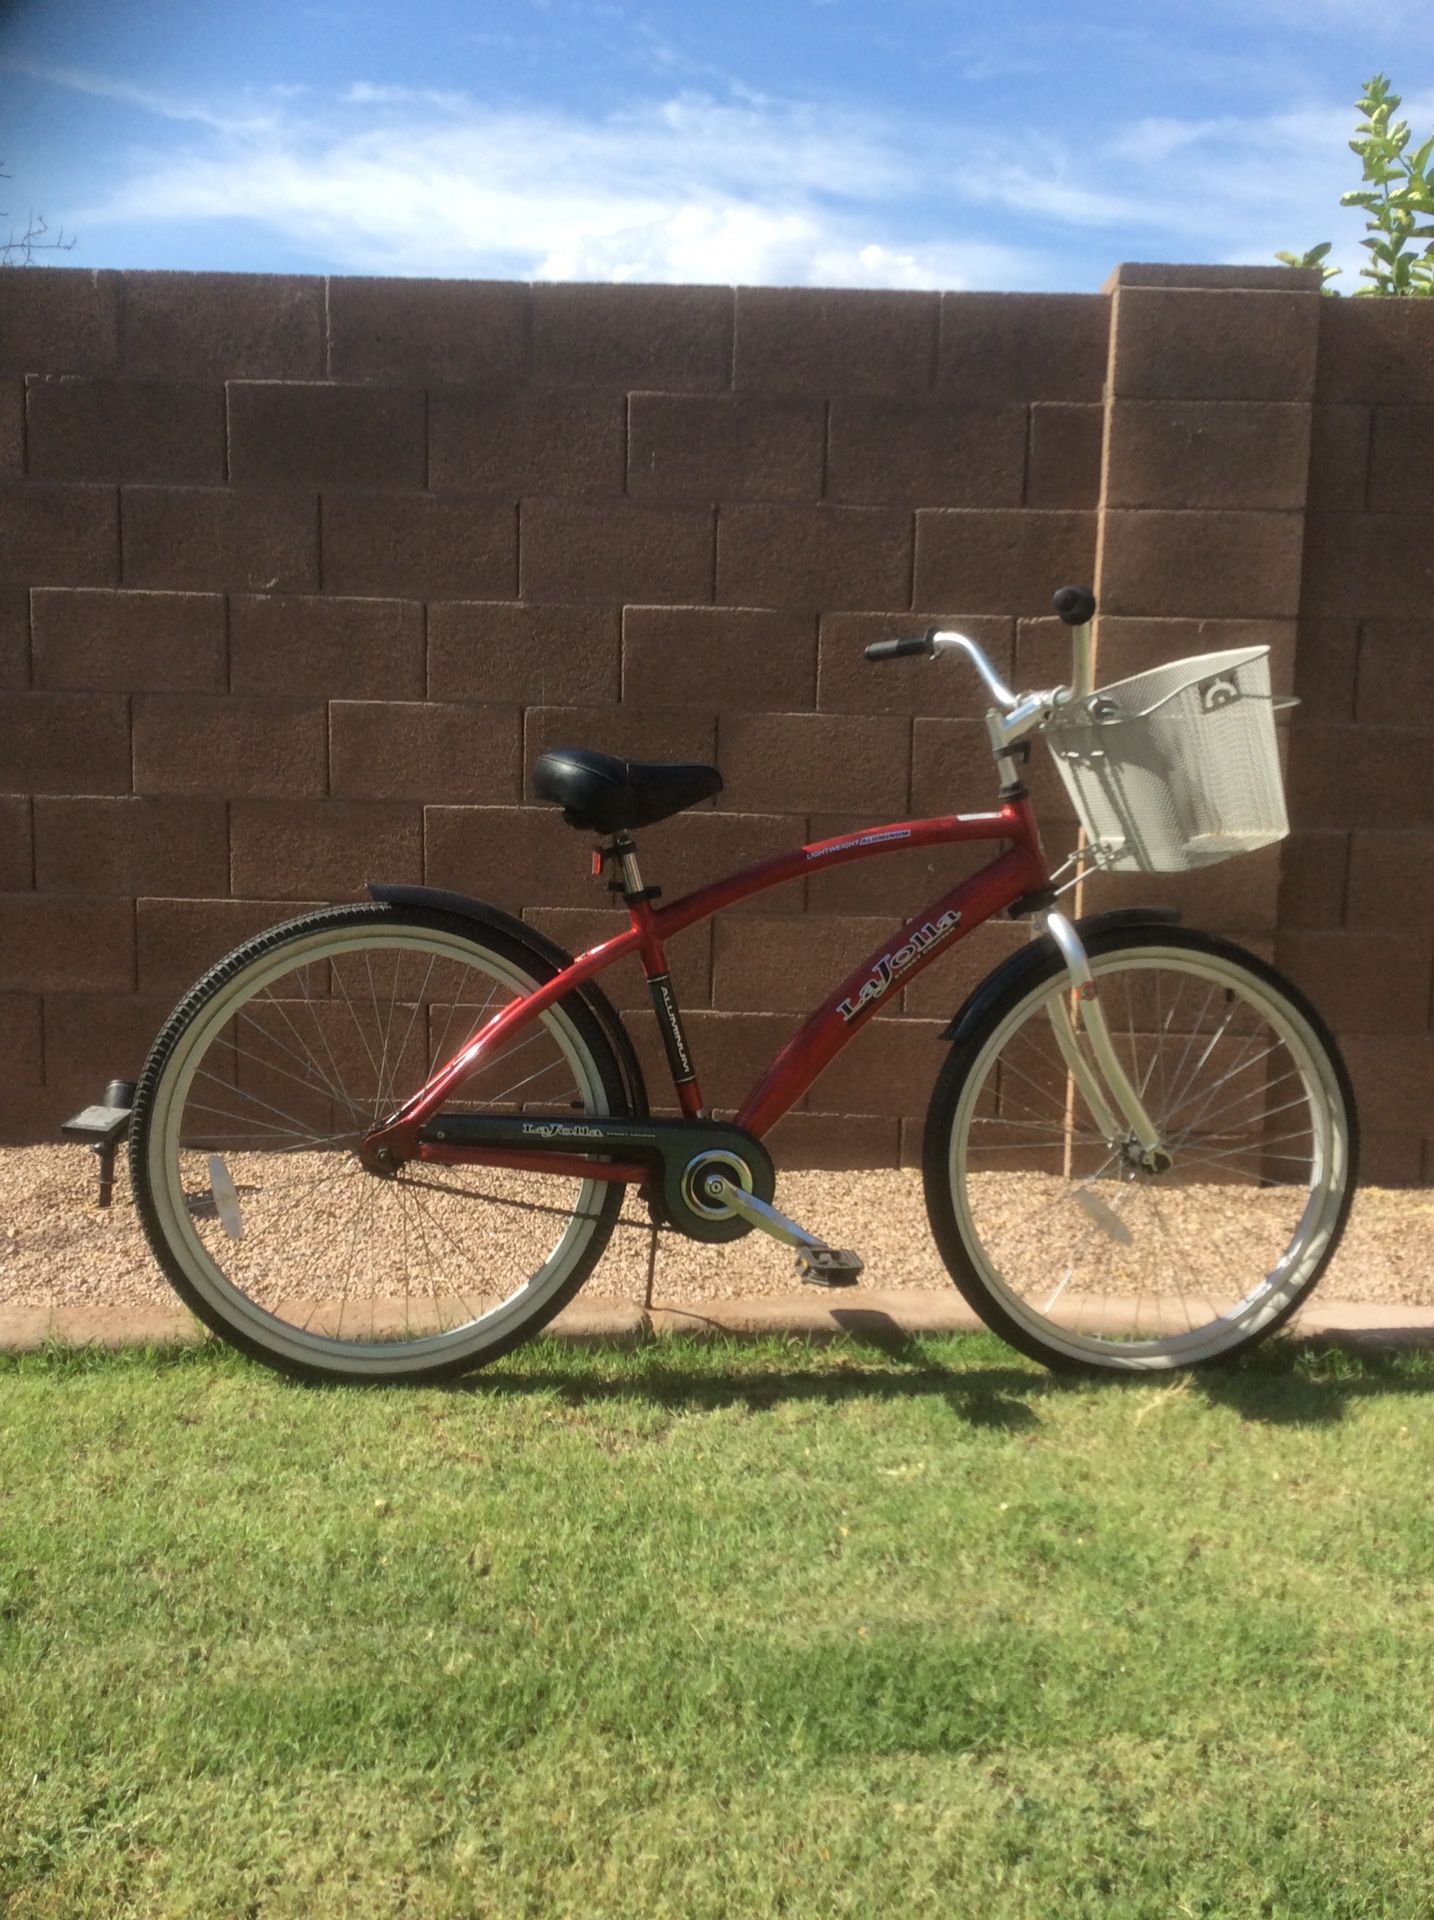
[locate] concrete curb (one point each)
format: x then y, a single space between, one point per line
889 1314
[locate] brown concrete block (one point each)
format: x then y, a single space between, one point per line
1390 1160
1001 562
1224 565
520 441
1393 1076
689 957
17 865
912 453
1235 897
1000 348
21 1039
889 1067
211 537
53 944
223 326
321 849
515 655
66 536
1208 453
791 963
724 447
848 682
941 991
93 1037
712 657
100 638
180 940
694 849
1401 466
668 339
12 427
1313 869
826 760
528 857
83 428
297 433
814 557
1368 565
895 882
1362 982
1391 879
64 743
631 732
422 750
1174 273
1376 351
1347 777
952 770
426 333
229 745
1339 459
1174 344
131 845
731 1052
1325 670
59 320
1396 673
834 1140
822 341
14 635
1063 456
422 545
311 645
586 553
1130 645
517 858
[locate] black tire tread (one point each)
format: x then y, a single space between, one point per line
946 1095
219 976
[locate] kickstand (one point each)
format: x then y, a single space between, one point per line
651 1268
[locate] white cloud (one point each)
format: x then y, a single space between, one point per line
745 189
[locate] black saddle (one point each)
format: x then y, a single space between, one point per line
603 794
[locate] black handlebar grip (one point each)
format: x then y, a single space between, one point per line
1075 605
894 649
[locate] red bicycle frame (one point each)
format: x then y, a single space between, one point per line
1010 876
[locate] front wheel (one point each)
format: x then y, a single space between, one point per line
255 1098
1063 1240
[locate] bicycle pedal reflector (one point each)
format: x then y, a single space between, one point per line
829 1266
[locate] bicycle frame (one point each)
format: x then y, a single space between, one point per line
1008 877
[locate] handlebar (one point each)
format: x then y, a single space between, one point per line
1074 605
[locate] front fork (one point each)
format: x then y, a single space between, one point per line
1117 1096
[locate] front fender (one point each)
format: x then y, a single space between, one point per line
439 900
973 1008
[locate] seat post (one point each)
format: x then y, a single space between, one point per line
638 900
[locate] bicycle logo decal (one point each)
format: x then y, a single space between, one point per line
1222 691
892 965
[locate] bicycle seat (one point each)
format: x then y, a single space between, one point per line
603 794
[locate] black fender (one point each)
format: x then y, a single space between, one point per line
974 1007
438 900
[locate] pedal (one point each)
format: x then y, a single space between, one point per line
829 1266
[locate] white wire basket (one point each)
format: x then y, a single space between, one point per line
1178 767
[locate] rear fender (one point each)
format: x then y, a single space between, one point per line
1028 959
438 900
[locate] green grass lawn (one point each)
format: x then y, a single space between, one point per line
717 1630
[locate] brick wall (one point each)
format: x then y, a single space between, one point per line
297 577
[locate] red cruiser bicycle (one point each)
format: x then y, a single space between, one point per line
388 1141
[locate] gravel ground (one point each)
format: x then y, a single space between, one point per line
58 1249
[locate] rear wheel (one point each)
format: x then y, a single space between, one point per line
250 1110
1071 1248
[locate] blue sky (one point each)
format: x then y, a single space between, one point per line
919 143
